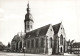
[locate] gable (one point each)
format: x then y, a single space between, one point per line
50 31
61 31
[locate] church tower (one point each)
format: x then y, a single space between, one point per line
28 20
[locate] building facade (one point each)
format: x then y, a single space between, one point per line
69 46
76 48
49 39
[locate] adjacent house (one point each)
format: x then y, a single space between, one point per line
76 48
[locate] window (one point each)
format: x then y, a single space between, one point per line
51 29
76 48
20 45
50 42
24 43
31 26
61 40
72 48
37 42
42 42
27 26
75 51
28 44
32 43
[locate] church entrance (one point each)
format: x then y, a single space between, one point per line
61 49
20 47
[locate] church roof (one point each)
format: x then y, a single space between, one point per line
56 28
43 30
38 32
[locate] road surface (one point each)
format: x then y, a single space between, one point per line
22 54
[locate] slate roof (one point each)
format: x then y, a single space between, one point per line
28 17
56 28
76 44
38 32
42 31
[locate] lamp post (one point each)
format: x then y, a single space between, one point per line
24 50
78 50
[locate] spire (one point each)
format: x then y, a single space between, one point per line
28 9
28 4
28 16
28 20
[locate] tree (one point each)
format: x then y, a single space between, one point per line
1 46
9 45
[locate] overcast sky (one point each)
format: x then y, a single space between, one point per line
12 15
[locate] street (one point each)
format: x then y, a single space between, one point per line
22 54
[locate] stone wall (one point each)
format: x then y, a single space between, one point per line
38 46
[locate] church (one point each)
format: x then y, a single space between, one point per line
49 39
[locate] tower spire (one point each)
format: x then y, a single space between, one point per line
28 4
28 9
28 20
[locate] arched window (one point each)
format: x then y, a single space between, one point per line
28 43
27 26
61 39
50 42
16 46
37 42
42 42
20 45
32 43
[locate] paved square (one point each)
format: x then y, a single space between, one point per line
22 54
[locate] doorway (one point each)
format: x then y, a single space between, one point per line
61 49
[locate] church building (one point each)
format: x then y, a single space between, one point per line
48 39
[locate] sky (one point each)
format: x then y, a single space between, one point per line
12 15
